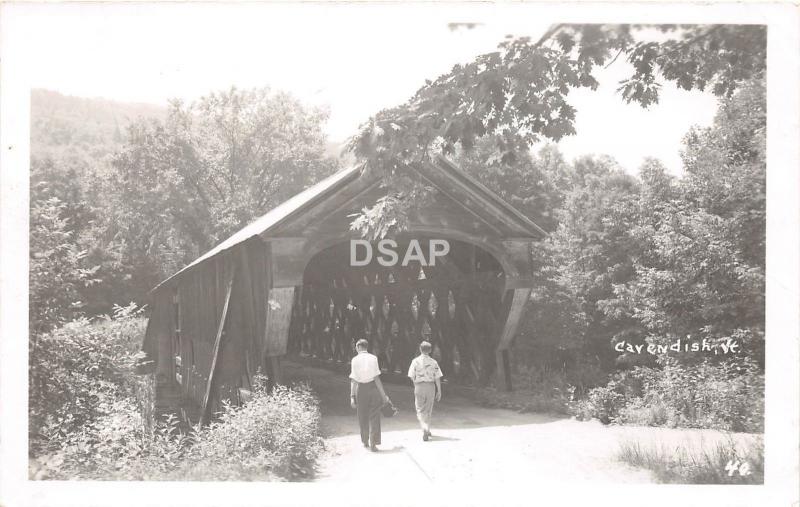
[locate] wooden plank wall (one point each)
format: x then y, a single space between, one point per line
159 349
243 348
201 296
197 292
216 349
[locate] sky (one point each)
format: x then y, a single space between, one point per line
353 59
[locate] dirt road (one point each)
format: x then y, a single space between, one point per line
472 443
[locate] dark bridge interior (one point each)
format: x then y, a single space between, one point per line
456 303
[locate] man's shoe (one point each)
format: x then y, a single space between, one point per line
373 448
366 446
425 435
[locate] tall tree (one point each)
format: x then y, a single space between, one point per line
699 241
590 249
178 188
725 168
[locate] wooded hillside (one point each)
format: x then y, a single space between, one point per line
82 130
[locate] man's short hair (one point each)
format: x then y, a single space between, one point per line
362 344
425 347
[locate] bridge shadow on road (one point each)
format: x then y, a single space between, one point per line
453 412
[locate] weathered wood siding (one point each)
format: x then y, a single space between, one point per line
243 346
201 297
186 317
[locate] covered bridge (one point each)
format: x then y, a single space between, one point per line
286 285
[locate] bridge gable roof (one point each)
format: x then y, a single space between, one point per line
352 185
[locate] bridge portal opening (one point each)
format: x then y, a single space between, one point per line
455 302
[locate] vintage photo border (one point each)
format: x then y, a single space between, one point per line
782 312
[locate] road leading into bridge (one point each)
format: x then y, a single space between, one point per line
473 443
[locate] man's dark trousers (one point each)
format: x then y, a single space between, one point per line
368 408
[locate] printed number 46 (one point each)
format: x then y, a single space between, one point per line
742 467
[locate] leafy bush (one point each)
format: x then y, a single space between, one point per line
77 373
275 436
275 433
640 411
109 445
58 267
91 417
725 463
727 395
606 402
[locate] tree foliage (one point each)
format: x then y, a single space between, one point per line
77 372
58 268
657 258
534 183
700 260
131 209
518 95
588 253
178 188
106 231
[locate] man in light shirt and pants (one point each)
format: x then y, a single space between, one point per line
367 395
426 375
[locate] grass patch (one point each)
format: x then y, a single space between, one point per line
723 463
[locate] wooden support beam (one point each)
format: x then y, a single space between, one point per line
250 311
503 370
488 282
215 350
516 310
515 313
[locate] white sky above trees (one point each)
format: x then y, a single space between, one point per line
354 59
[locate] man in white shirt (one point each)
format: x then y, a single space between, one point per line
426 375
367 395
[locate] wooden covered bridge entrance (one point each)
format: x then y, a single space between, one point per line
293 282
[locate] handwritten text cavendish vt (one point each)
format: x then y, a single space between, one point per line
729 346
